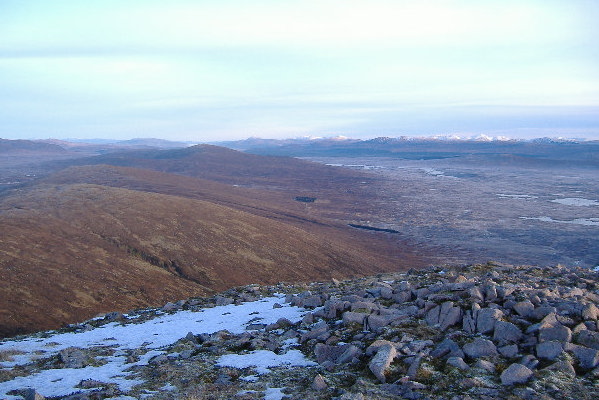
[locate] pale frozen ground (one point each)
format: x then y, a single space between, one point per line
476 215
517 196
262 360
574 201
577 221
153 334
273 394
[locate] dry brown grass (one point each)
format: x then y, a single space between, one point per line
99 238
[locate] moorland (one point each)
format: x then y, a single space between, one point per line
90 229
99 227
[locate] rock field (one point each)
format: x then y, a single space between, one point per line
486 331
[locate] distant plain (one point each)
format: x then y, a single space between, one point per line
474 212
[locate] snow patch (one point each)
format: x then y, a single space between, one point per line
273 394
577 221
60 382
262 360
357 166
432 171
153 335
516 196
575 201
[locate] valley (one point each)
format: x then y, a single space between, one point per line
91 229
530 202
474 213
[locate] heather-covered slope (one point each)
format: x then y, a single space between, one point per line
70 251
92 237
231 167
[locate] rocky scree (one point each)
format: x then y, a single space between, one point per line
487 331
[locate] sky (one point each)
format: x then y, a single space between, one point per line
232 69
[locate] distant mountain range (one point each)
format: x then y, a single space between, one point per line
542 151
343 140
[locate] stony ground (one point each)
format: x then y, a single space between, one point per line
470 332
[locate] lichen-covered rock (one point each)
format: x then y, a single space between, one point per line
480 348
529 361
515 373
509 351
524 308
414 366
457 362
588 339
381 361
223 301
486 319
336 354
320 332
73 357
587 358
468 322
376 345
549 350
558 333
168 307
350 317
432 315
449 315
506 332
564 367
32 394
319 383
378 322
590 312
541 312
484 365
447 348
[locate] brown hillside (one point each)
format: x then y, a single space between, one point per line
17 146
339 204
342 194
234 167
70 251
327 216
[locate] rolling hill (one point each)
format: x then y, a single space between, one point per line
95 238
21 146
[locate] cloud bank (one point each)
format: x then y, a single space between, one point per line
230 69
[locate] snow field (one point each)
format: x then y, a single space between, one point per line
154 335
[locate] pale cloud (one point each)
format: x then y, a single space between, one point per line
295 23
211 69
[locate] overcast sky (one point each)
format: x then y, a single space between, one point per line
230 69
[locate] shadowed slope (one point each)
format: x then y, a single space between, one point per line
17 146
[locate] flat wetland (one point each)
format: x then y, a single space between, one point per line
473 211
